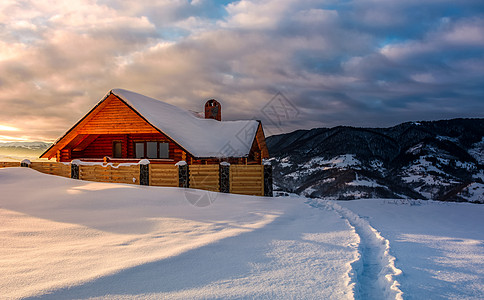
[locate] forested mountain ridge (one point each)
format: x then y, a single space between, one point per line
440 160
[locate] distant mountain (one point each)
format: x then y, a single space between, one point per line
442 160
26 145
20 150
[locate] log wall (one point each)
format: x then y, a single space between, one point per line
103 146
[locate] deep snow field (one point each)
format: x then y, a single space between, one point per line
439 246
62 239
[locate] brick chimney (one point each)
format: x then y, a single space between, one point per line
213 110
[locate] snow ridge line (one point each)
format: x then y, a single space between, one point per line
374 271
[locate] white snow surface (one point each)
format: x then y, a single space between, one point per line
438 246
70 239
375 267
200 137
67 239
146 161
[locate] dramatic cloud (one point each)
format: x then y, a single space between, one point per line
363 63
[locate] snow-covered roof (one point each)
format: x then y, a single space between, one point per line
200 137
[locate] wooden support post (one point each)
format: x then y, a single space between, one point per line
183 176
268 181
224 177
74 170
144 173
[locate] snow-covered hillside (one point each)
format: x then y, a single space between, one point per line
440 160
63 238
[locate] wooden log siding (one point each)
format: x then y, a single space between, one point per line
163 175
52 168
109 173
205 177
103 146
116 118
247 180
9 164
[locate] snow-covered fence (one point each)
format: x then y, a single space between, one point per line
247 179
53 168
163 175
237 179
110 173
205 177
9 164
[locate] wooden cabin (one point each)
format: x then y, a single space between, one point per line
126 127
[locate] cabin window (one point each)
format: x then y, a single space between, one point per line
139 149
151 150
164 150
117 149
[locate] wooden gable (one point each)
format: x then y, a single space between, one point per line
116 118
110 116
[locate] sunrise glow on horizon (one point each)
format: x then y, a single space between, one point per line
359 63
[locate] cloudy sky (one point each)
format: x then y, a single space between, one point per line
292 63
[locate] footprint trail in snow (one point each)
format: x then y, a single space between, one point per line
374 271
